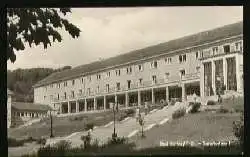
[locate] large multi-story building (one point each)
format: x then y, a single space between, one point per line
199 63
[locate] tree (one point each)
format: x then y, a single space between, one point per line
36 26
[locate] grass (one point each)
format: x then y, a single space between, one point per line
234 103
192 127
63 126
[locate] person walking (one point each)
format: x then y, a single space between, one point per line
146 108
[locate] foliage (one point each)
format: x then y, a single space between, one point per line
41 141
15 143
89 126
77 118
130 112
211 102
36 26
20 81
179 113
195 106
86 140
223 110
122 116
238 128
116 141
172 102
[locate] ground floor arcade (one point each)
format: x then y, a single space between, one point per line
132 98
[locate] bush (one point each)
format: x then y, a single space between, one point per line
89 126
86 140
15 143
238 129
179 113
116 141
223 110
172 102
211 102
130 112
41 141
195 107
122 117
63 145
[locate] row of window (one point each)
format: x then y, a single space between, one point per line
118 85
168 60
27 114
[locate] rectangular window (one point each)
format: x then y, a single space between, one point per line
82 80
65 95
215 50
226 48
140 67
107 87
168 60
154 64
197 55
58 85
180 58
238 46
118 72
118 86
154 78
58 96
184 58
129 84
44 97
182 72
108 74
65 84
140 81
88 91
73 82
129 70
72 94
166 75
98 76
89 78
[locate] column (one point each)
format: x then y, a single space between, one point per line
167 94
60 108
85 105
225 71
153 96
202 74
77 106
95 103
68 107
139 98
104 102
126 99
116 99
183 92
213 77
238 76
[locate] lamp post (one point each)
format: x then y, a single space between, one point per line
114 135
51 130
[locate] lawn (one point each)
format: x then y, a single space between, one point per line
63 126
236 103
201 126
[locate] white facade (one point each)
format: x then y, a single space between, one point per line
175 74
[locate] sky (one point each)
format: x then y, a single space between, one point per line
107 32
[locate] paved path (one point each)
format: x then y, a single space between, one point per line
124 128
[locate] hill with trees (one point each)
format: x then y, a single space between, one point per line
20 81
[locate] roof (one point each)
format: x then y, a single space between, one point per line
30 106
9 92
163 48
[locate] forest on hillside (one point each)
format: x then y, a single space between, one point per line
20 81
